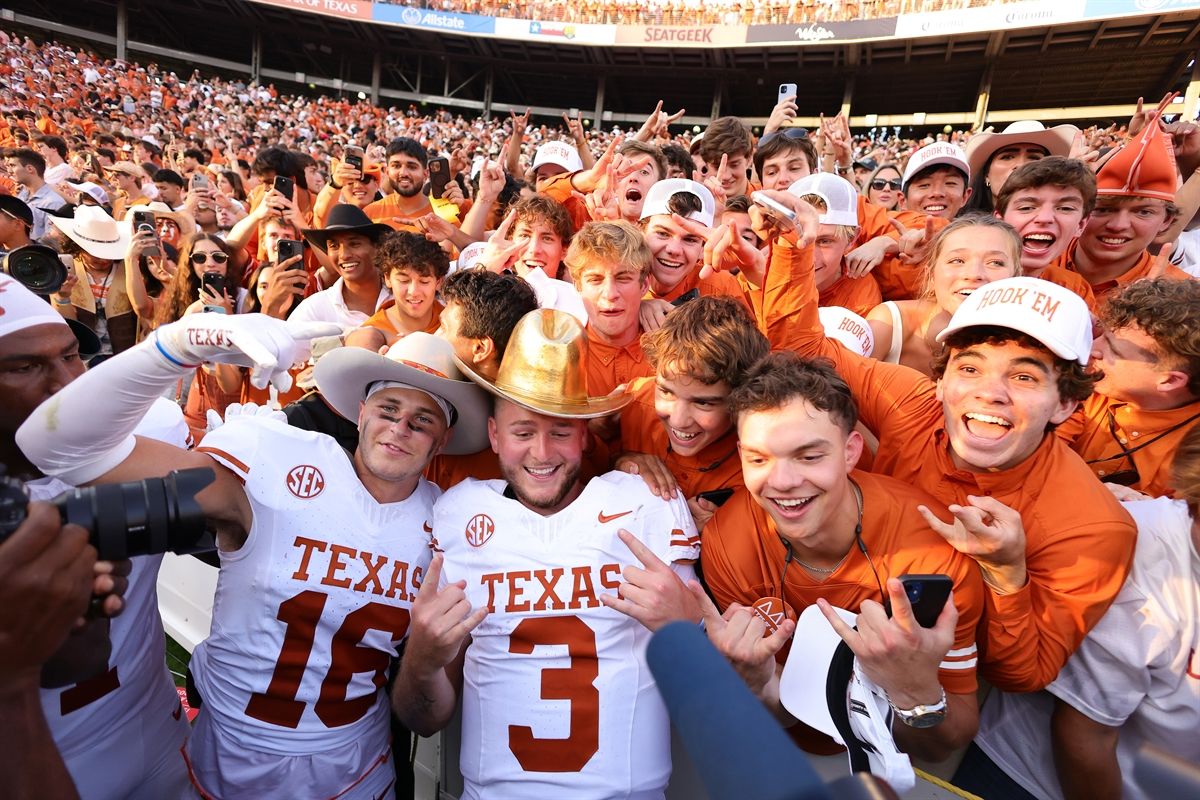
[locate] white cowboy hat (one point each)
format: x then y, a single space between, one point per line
421 360
1056 140
96 232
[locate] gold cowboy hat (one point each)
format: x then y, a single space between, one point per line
543 369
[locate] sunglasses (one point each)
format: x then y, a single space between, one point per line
879 184
204 258
787 133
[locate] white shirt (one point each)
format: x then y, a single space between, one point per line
329 305
557 698
1138 669
58 173
556 294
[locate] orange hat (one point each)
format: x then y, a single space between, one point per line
1145 167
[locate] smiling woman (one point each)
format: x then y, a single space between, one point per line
965 255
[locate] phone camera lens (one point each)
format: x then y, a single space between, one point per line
913 590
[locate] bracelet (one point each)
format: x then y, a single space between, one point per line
840 168
58 302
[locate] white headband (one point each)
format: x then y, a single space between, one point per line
449 411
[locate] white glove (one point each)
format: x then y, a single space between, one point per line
242 410
265 344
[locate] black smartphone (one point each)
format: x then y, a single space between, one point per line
214 282
691 294
439 176
285 186
927 594
717 496
354 157
289 248
141 218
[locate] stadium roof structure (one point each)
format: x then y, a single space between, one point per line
1090 69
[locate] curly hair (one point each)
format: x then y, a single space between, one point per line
413 252
490 305
1074 381
783 376
1168 311
710 339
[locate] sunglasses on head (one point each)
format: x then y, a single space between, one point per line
204 258
787 133
879 184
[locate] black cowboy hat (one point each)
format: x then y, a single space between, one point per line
345 218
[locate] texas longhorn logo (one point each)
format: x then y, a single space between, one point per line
479 529
305 481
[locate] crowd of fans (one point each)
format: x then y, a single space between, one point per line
973 355
694 12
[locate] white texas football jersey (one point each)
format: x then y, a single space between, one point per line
310 611
135 694
557 698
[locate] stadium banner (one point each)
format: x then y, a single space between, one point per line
682 35
1126 8
346 9
437 20
818 32
561 32
1033 14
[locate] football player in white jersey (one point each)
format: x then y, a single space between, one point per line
107 696
321 554
557 698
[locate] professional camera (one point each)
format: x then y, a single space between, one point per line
37 267
123 520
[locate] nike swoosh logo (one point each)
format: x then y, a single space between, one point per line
427 528
603 518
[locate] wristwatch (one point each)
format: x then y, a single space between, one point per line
926 716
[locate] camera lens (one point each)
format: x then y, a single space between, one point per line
913 590
142 517
37 267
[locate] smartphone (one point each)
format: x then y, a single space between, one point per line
354 157
199 181
691 294
439 176
214 282
144 221
781 214
285 186
717 496
289 248
787 90
927 594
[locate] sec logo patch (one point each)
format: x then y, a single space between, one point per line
305 481
479 529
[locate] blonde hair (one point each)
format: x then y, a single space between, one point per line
979 220
847 232
1185 470
609 242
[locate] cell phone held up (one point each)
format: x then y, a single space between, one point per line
214 284
717 497
439 176
927 594
354 156
787 90
290 248
285 186
144 221
780 214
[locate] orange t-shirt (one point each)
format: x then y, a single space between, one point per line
719 284
380 320
1079 541
1102 428
608 367
1138 271
717 466
742 560
558 187
859 295
387 210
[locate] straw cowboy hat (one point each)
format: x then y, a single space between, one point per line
421 360
185 223
543 369
96 232
1056 140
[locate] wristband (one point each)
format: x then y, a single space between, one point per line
169 357
58 302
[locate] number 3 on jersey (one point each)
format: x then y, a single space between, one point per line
575 683
302 615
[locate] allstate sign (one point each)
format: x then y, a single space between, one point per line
437 20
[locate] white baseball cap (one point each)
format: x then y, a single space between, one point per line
823 687
934 154
848 329
92 190
1052 314
658 199
840 196
560 153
